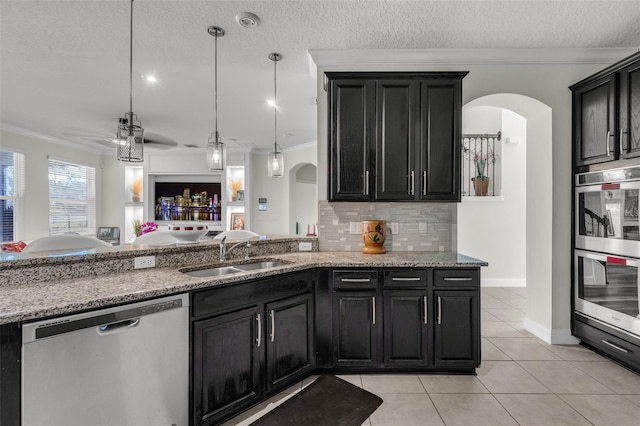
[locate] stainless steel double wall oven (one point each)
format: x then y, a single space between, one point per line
607 248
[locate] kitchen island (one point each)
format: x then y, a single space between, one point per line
429 300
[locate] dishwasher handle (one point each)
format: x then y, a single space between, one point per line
118 326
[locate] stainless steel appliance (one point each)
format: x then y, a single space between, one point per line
126 365
607 211
607 287
607 253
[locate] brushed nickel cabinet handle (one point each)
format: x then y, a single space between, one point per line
620 139
424 183
355 280
457 278
424 299
373 309
366 182
259 338
621 349
608 147
405 279
273 326
439 311
413 182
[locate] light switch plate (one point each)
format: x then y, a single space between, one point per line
142 262
395 229
354 227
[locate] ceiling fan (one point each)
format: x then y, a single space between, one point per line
107 140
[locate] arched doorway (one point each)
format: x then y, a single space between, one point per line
543 300
303 196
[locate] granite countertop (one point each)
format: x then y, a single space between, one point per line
30 301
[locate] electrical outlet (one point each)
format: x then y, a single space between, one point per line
354 228
422 227
144 262
395 229
304 246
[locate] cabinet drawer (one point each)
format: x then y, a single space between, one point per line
355 279
456 277
405 278
620 349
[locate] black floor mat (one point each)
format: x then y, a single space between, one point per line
328 401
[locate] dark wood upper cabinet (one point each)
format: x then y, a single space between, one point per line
629 111
594 121
351 129
440 135
394 136
606 115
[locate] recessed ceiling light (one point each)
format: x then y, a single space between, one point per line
149 78
247 19
271 103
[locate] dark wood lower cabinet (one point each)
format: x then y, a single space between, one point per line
226 364
406 331
355 328
290 339
457 329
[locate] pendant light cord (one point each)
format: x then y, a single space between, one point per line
275 107
131 71
215 84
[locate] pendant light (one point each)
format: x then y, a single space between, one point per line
215 147
129 136
275 167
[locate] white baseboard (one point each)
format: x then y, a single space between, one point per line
503 282
553 337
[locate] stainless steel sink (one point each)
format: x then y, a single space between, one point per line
214 272
232 269
259 265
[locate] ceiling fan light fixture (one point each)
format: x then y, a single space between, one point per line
215 147
275 165
130 134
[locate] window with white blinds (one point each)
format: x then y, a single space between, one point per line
12 179
72 198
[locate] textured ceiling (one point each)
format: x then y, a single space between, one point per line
64 65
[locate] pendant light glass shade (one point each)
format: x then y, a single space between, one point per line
215 147
130 134
215 152
275 166
130 140
276 163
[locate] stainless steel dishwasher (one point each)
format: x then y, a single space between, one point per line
126 365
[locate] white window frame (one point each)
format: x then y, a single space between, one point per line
18 194
64 196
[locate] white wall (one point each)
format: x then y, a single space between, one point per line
548 183
278 191
37 150
304 204
494 228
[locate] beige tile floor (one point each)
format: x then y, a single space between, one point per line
522 381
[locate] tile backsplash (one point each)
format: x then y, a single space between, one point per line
421 226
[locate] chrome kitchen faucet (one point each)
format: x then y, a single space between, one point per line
224 251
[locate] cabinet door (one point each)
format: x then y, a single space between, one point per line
629 132
594 121
406 325
226 364
355 328
289 339
351 129
440 140
457 333
397 119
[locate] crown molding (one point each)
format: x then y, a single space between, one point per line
329 57
46 138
